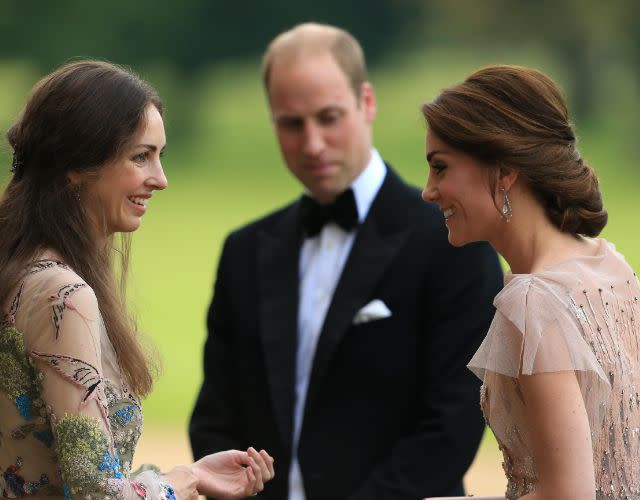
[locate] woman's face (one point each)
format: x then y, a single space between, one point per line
459 185
119 196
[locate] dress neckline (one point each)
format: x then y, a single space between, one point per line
603 248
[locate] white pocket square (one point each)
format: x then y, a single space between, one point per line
376 309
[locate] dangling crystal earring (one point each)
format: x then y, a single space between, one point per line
506 211
76 190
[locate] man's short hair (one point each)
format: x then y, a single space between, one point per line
311 39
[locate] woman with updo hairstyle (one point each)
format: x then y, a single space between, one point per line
86 160
560 364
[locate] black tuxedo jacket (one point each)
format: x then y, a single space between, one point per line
391 411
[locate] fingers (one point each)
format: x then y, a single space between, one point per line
264 461
258 484
251 479
268 459
259 469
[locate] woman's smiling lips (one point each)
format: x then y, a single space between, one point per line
448 212
139 202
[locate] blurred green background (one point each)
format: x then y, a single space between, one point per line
222 160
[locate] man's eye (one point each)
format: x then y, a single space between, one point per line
290 124
329 118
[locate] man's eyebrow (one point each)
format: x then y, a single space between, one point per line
289 120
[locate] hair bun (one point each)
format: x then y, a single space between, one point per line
587 217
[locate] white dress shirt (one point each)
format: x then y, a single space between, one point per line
321 261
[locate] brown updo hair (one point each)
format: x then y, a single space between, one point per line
516 117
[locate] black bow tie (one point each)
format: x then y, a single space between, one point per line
342 211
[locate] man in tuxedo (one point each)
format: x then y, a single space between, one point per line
341 324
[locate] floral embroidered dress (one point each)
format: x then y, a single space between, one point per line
68 423
581 315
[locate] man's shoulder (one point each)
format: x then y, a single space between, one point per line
406 201
265 223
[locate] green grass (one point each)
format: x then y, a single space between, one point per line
226 170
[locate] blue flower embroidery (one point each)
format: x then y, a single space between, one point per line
24 403
168 491
126 414
110 463
67 492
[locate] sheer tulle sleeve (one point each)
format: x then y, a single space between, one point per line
63 329
538 328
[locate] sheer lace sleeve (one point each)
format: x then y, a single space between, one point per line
64 341
537 328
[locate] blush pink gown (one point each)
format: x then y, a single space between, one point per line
582 315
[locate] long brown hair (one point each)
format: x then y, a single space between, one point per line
516 117
78 118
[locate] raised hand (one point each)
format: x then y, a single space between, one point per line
233 474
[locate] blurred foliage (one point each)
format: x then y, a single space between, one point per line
589 37
192 34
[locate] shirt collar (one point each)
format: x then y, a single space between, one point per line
367 184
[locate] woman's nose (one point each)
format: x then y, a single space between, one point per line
159 179
429 193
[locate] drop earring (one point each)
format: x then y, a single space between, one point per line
507 211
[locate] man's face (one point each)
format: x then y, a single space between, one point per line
324 130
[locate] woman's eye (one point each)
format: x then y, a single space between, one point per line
439 167
140 158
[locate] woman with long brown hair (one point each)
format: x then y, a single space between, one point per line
86 161
560 364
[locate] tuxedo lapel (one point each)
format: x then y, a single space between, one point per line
278 286
378 240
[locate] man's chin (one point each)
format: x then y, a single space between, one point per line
325 195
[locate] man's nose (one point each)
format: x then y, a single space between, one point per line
313 140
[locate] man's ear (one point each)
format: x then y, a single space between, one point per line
368 101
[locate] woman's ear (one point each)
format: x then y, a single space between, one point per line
507 177
74 177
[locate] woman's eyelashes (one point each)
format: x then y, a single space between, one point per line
439 167
141 157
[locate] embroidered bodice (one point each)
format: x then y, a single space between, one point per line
68 422
581 315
